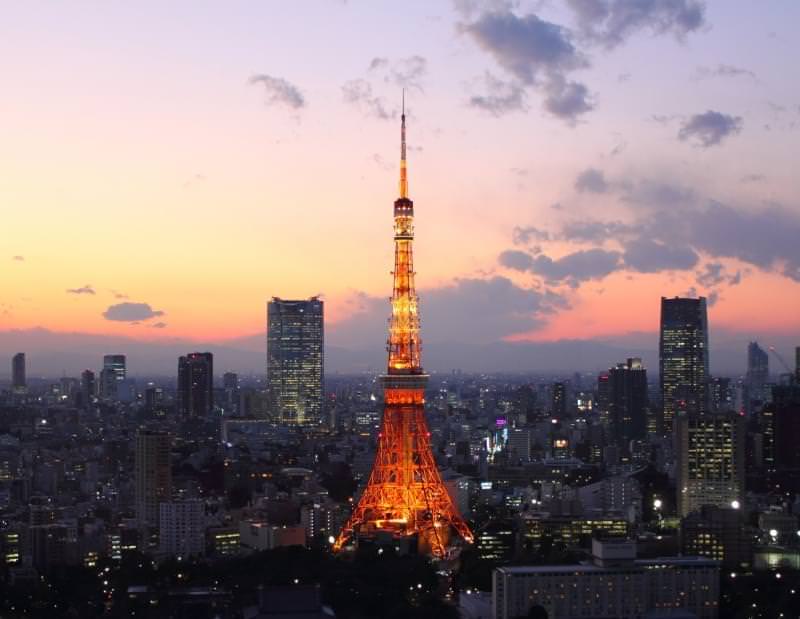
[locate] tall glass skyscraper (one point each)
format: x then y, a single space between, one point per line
757 377
113 375
683 358
295 367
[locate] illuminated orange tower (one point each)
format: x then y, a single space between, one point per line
405 494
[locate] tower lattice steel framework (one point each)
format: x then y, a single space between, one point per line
405 495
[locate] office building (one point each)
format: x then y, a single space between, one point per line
709 460
295 368
88 388
19 381
182 528
683 358
784 412
497 541
112 376
627 402
757 366
153 475
721 394
559 400
615 584
195 392
718 533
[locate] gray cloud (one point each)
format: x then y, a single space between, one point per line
567 100
516 260
359 93
523 236
766 238
86 289
280 92
577 267
159 325
526 46
480 310
539 54
404 72
591 180
711 275
724 70
611 22
672 224
647 256
131 312
594 231
500 98
709 128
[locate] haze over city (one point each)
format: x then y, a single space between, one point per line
165 170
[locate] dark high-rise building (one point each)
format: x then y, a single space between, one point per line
153 475
559 400
709 456
196 384
757 365
19 381
756 378
295 368
797 365
603 396
683 358
112 376
628 402
721 394
785 409
88 388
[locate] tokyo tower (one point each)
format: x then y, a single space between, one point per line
405 495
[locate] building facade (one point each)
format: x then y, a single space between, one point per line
196 384
153 475
112 376
19 381
628 402
709 459
614 585
182 528
295 360
683 358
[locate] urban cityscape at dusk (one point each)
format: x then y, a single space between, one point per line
485 309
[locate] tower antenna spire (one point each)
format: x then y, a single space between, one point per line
403 171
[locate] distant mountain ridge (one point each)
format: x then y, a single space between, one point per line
52 353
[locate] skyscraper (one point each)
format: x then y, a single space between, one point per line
153 475
88 388
559 400
112 376
628 401
405 495
757 376
19 382
196 384
709 453
295 363
683 358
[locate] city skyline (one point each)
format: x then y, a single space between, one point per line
621 168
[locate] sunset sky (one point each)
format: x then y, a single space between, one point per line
165 168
